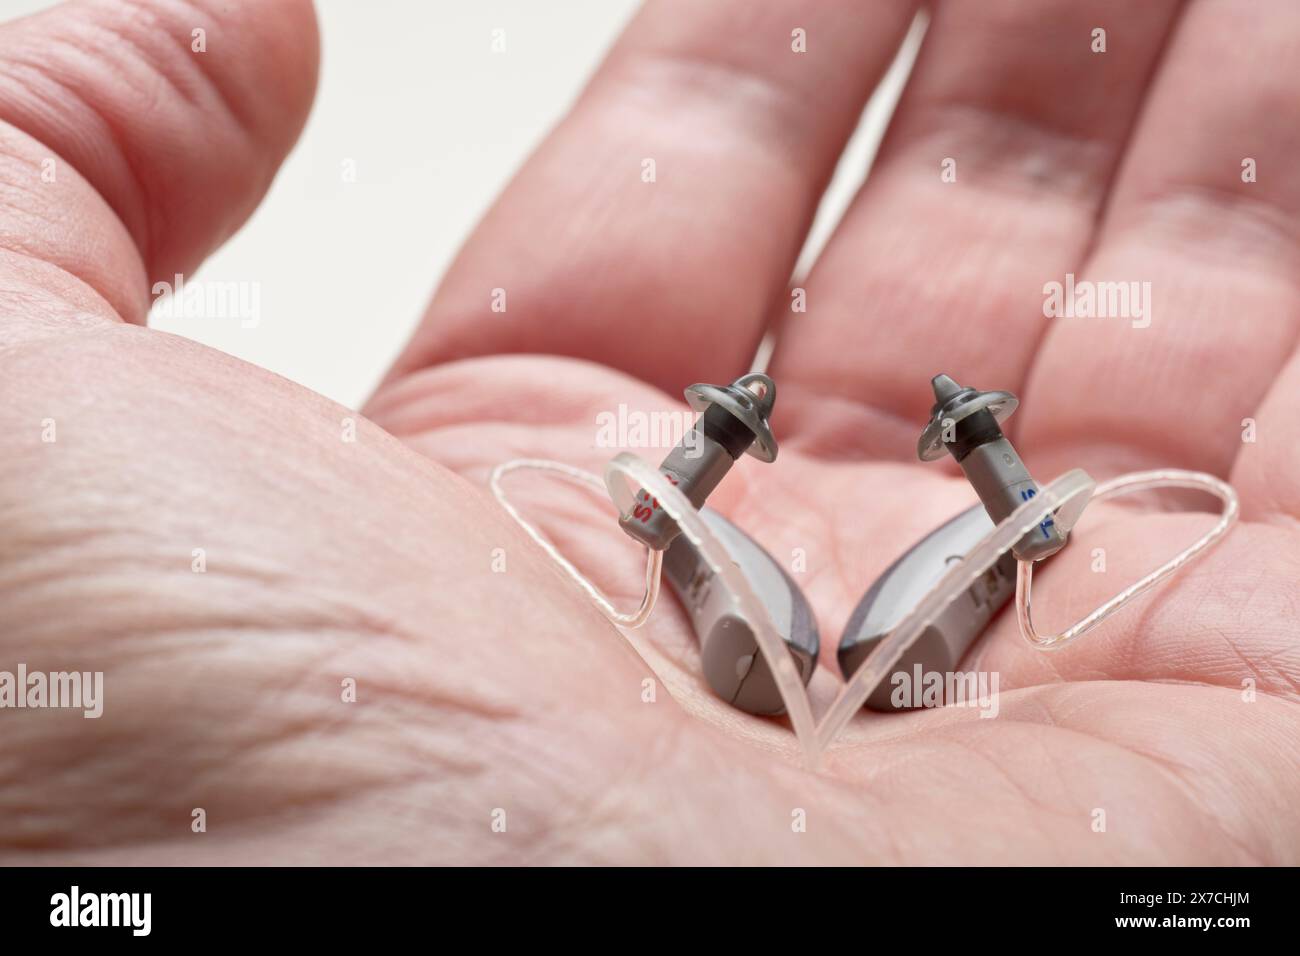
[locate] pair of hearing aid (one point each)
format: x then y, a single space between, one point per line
729 602
734 419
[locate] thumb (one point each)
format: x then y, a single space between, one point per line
136 136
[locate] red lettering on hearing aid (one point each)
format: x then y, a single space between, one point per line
644 512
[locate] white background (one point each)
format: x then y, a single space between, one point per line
436 123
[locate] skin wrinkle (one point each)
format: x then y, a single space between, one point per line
10 197
291 734
127 564
1182 777
80 48
656 78
1181 213
1101 211
984 133
60 316
1186 775
1027 799
978 805
1159 604
601 809
143 234
26 76
12 244
680 72
146 22
547 775
267 819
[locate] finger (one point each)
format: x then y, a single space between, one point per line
1220 257
1267 469
926 275
136 137
669 279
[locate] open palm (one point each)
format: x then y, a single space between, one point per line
487 688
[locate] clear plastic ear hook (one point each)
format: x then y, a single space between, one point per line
625 476
1063 501
1123 485
653 562
733 421
892 629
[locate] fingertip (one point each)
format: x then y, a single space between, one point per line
177 112
266 59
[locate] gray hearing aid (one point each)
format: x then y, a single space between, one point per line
733 420
967 424
893 595
733 665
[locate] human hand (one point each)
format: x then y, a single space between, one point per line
478 691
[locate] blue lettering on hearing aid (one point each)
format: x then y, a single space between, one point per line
1025 495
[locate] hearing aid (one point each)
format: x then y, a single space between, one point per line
900 588
733 420
967 424
733 666
736 595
